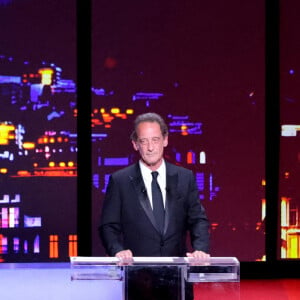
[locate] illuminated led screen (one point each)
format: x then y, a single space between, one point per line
289 171
198 64
38 138
201 66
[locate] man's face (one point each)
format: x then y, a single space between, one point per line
150 144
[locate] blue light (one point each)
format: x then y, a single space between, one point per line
116 161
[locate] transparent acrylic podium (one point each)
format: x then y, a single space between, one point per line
168 278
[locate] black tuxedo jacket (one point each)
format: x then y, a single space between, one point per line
127 220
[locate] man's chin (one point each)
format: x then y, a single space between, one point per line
150 163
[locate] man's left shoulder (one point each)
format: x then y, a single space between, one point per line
178 168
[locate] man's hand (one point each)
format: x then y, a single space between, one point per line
124 254
125 257
198 255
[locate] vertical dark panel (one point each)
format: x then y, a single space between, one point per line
84 127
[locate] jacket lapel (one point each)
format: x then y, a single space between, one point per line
141 192
171 187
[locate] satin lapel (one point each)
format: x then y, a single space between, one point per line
172 179
142 196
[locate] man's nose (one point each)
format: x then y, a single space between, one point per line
150 145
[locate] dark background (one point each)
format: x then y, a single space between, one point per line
208 60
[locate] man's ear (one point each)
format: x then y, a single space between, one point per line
134 145
166 141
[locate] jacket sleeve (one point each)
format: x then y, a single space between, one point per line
198 222
110 223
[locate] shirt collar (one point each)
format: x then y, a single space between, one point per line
146 171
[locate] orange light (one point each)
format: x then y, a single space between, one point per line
46 74
263 208
53 246
51 164
3 171
6 133
189 157
285 204
73 249
23 173
28 145
258 225
115 110
122 116
1 245
3 141
96 122
107 118
129 111
184 130
70 164
214 226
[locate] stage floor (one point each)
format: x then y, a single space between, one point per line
45 281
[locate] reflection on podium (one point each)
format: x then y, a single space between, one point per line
164 278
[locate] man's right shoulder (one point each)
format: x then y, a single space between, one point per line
129 170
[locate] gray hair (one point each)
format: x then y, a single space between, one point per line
150 117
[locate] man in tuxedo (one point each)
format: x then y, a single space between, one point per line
131 224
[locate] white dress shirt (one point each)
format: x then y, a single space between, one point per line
161 179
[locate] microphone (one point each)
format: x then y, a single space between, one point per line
143 190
